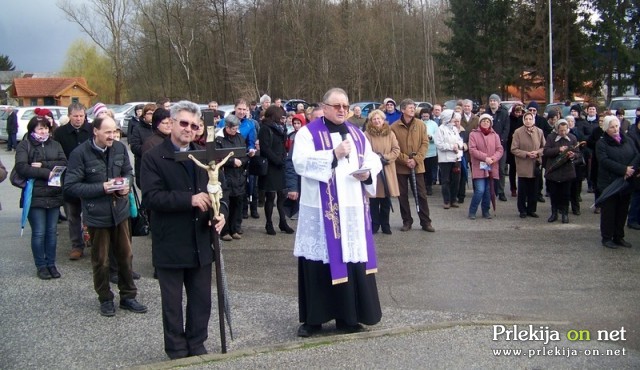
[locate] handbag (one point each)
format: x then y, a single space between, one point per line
140 223
17 180
258 166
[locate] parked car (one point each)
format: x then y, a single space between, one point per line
628 103
423 104
366 106
564 109
24 115
128 113
291 104
507 104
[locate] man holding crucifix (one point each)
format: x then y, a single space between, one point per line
175 191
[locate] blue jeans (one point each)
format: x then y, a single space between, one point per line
481 192
44 226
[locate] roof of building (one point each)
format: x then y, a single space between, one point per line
53 86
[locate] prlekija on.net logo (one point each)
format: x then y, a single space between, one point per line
545 334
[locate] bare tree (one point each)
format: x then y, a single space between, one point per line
105 22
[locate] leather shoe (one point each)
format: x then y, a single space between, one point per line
446 206
565 218
306 330
254 214
43 273
75 254
386 230
107 309
541 199
132 305
348 329
623 243
553 217
502 197
455 205
532 214
286 228
523 215
226 238
514 193
270 229
54 272
236 236
577 212
487 216
634 226
135 275
405 227
609 244
428 228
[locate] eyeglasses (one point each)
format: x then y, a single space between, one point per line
533 110
337 106
193 126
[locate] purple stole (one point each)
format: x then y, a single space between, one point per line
330 211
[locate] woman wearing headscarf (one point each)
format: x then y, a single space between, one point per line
450 149
560 176
272 137
384 143
485 151
36 157
527 145
618 157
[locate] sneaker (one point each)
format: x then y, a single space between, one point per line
54 272
227 238
236 236
132 305
43 273
75 254
107 308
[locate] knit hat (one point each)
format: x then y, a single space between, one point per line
265 98
607 121
42 112
486 116
552 114
159 115
533 104
495 97
301 118
577 108
99 108
389 100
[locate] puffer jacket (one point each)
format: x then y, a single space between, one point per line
236 176
88 169
446 137
412 138
565 172
614 158
50 154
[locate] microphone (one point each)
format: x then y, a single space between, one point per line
343 134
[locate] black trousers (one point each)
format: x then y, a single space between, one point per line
560 193
379 209
450 181
613 216
405 207
527 194
270 200
185 339
234 223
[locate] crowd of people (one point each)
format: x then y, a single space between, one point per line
333 170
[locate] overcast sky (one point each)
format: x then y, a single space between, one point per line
35 34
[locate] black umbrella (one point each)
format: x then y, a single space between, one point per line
618 185
414 184
385 184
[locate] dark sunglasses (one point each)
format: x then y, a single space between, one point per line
194 126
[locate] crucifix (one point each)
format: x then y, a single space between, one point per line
206 159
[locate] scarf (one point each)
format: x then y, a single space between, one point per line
40 138
485 131
617 138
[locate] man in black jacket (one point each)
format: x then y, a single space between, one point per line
176 194
501 127
99 173
12 129
74 133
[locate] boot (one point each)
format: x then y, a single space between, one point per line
565 216
270 229
285 227
554 215
375 228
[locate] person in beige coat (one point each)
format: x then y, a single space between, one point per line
413 141
384 143
527 146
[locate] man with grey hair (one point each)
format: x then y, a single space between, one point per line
335 249
413 141
176 194
469 120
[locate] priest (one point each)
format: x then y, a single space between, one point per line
334 243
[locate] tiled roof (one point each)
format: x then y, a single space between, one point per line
40 87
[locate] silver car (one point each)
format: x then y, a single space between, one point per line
24 115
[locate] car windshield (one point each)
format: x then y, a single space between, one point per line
630 104
4 114
119 108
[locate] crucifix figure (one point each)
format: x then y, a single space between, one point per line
214 188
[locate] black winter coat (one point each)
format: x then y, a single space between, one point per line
88 169
236 177
565 172
70 137
181 237
50 154
272 139
500 123
614 158
12 123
